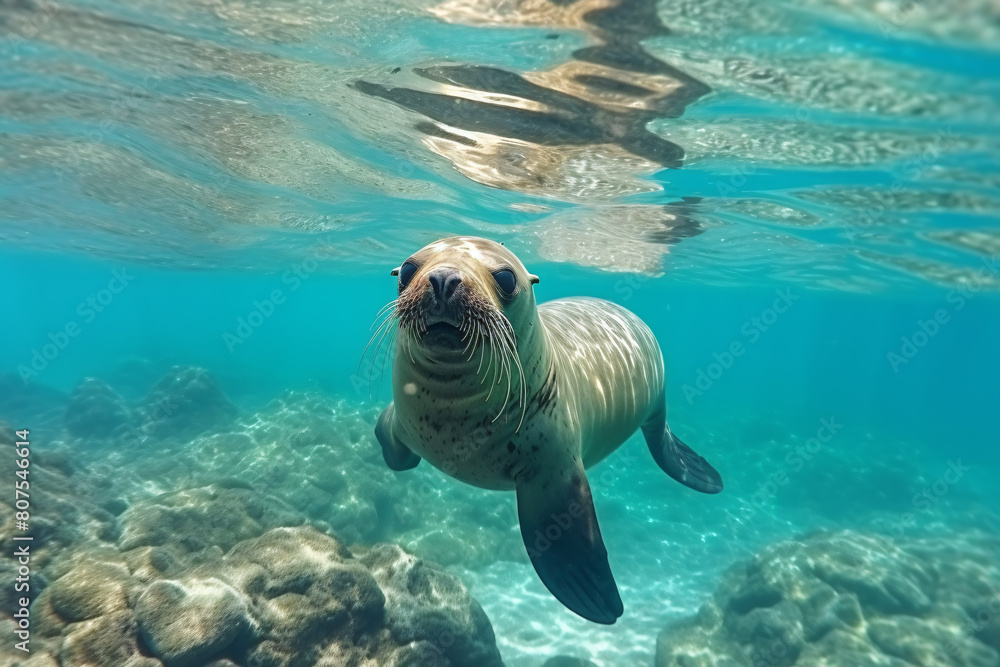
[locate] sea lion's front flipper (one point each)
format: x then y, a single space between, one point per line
684 464
397 455
560 531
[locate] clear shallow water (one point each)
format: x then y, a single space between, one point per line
841 154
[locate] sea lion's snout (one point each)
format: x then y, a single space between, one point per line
443 309
443 299
444 282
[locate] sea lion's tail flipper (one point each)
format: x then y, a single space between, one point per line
397 455
683 463
560 532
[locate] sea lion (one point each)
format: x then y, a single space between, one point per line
503 394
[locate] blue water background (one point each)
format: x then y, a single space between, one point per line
830 354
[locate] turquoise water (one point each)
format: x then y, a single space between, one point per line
227 186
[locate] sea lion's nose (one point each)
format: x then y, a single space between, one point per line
444 281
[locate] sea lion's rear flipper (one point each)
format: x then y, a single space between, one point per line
560 531
683 463
397 455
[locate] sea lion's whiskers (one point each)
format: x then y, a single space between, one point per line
391 331
524 390
467 331
389 306
509 347
385 317
408 344
482 351
472 344
493 354
505 349
389 320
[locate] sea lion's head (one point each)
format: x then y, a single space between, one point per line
459 293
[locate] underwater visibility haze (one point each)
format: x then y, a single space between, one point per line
273 394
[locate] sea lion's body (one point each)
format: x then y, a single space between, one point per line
503 394
603 378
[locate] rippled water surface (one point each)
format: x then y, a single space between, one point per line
814 183
850 146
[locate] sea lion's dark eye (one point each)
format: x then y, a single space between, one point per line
406 272
506 281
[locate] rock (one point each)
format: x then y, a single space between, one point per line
62 513
106 640
195 519
30 404
844 599
88 591
96 412
454 624
205 577
185 402
185 625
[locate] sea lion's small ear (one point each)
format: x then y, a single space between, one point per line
532 278
395 272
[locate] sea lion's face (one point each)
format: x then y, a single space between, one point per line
459 293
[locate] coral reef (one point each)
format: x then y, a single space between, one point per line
850 599
226 576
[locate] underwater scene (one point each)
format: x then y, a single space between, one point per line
538 333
